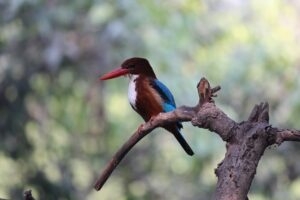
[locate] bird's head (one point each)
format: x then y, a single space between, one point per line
131 66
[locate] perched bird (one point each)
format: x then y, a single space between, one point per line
147 95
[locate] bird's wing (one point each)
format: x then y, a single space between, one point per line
169 102
166 95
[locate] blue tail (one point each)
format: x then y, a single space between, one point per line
176 132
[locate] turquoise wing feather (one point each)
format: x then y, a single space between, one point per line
169 102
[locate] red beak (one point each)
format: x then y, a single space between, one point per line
115 73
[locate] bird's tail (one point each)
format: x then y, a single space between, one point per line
176 132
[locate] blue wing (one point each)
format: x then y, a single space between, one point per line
169 102
164 92
169 105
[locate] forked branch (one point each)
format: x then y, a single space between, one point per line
246 141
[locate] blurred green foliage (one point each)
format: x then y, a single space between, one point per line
59 125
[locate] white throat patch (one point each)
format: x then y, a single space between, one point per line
132 90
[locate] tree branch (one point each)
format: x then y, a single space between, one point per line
281 135
182 113
246 141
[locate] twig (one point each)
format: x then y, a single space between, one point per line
119 155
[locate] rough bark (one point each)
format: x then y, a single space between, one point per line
245 141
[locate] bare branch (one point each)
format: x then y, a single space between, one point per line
182 114
282 135
120 154
212 118
245 141
205 92
260 113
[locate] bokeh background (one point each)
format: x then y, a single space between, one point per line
59 125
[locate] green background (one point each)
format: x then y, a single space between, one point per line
59 125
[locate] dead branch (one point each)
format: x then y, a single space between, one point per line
245 141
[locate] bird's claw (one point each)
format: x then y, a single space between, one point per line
151 119
140 128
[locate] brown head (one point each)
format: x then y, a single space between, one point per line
131 66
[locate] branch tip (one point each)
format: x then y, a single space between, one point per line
119 155
260 113
206 93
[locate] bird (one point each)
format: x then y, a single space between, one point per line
147 95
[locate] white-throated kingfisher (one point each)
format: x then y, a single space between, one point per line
147 95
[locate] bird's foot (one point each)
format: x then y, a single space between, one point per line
152 119
140 128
